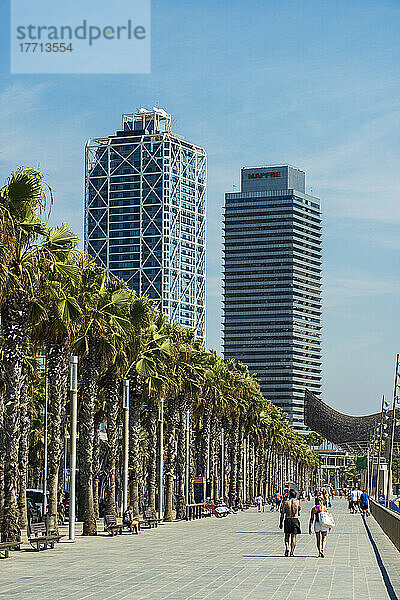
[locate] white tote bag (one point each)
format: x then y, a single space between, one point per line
326 521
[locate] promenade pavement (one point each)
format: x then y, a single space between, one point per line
239 557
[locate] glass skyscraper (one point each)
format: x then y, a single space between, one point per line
272 284
145 213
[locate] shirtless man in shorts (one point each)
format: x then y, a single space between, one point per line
290 512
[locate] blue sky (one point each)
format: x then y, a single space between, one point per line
314 84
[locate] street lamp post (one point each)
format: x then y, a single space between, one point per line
125 405
208 478
161 460
379 448
46 410
395 400
222 463
244 470
73 388
253 471
187 470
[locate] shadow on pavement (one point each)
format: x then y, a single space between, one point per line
262 532
278 556
389 588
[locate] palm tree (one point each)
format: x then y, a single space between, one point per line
116 360
118 364
150 366
23 453
142 316
54 319
178 367
101 321
135 457
172 424
1 445
189 378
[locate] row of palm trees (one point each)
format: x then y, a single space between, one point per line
57 300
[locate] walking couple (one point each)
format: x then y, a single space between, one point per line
290 522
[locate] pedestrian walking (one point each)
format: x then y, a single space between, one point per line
359 492
276 501
289 520
260 505
350 503
320 532
353 508
364 503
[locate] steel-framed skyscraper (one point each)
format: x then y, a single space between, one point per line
145 213
272 284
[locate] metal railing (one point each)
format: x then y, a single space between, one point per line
194 511
388 520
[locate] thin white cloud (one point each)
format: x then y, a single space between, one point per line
340 291
359 177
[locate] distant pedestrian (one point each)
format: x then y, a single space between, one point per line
354 498
289 520
350 503
359 492
276 501
320 534
260 505
364 503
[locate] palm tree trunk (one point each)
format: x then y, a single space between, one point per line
112 414
239 459
14 318
263 472
23 457
57 376
98 418
2 453
181 459
233 460
269 489
213 444
152 457
192 455
172 422
250 469
205 440
88 395
135 458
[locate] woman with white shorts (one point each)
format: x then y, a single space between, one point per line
320 535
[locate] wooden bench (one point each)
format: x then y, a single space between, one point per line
39 537
148 519
111 525
5 548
